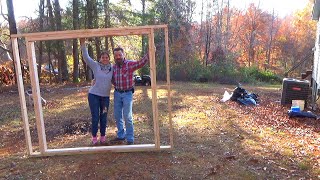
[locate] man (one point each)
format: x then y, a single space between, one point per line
123 94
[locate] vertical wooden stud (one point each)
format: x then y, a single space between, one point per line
36 96
24 113
153 73
168 86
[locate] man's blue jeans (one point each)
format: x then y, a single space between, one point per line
123 113
99 111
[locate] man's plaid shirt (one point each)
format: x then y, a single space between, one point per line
123 75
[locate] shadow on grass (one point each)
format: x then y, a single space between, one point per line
211 141
68 114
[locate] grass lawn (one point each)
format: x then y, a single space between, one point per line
212 140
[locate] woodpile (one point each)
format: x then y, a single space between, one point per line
6 75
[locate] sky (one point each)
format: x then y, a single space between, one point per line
281 7
27 8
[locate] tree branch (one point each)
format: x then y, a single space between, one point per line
6 50
1 12
3 47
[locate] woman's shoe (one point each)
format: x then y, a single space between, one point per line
94 141
103 139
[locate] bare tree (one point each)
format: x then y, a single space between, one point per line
201 30
75 51
11 18
62 61
228 27
252 34
12 25
96 25
144 38
106 8
208 32
218 24
89 25
49 44
269 45
41 28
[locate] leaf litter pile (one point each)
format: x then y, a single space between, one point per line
212 139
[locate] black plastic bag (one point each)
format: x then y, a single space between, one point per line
242 96
238 92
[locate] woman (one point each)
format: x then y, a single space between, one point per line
99 93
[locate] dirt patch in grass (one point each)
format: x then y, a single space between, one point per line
212 140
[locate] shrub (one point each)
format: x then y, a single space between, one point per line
189 71
225 73
253 74
268 76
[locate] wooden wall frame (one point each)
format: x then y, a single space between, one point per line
75 34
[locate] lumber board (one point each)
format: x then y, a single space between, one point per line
36 96
168 86
23 106
100 149
86 33
153 73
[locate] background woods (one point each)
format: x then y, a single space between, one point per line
209 40
227 44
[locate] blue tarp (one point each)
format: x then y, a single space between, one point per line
243 97
307 114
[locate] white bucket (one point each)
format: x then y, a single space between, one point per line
299 103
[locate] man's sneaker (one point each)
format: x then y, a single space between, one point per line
130 143
94 141
117 140
102 139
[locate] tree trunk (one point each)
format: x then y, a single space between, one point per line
201 33
62 61
51 68
49 44
89 12
13 30
251 49
50 16
108 25
208 34
218 27
112 43
75 4
207 43
144 38
106 20
144 69
252 38
41 17
228 28
270 41
11 18
96 25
